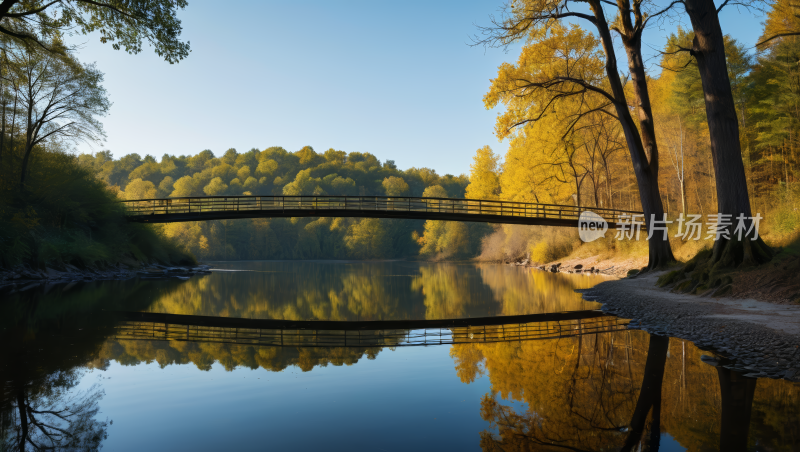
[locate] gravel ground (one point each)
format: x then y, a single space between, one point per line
758 339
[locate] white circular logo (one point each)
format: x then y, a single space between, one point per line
591 226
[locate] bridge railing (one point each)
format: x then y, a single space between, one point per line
211 204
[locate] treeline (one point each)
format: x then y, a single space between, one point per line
276 171
567 146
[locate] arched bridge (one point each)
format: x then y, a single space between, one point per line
230 207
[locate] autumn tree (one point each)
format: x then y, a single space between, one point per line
563 65
395 186
484 182
783 21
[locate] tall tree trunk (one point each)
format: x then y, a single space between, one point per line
708 48
646 173
633 48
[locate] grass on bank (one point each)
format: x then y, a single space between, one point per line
64 215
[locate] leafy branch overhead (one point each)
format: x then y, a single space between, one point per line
125 24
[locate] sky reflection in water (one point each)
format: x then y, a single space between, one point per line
571 393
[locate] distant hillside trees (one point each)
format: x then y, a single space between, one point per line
276 171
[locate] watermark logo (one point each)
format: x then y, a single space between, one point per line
591 226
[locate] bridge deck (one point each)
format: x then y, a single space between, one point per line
489 211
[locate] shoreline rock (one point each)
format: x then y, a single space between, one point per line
756 338
21 278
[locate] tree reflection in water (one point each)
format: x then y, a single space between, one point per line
623 391
52 415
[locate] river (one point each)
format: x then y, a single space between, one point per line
167 364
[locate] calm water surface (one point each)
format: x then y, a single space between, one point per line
79 371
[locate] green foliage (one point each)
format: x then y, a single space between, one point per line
68 216
124 24
395 186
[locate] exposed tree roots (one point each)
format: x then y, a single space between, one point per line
711 271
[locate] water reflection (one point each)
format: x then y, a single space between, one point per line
51 415
556 386
624 391
373 291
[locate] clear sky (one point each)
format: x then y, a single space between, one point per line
396 79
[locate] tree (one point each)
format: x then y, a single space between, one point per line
783 21
733 198
395 186
215 187
124 24
139 189
266 167
183 187
562 65
366 239
484 182
59 98
53 415
303 184
675 142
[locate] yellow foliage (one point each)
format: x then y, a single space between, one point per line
783 18
483 179
139 189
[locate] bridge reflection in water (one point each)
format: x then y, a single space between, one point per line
169 327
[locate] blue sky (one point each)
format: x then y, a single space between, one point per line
397 79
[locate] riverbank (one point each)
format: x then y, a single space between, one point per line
617 266
23 278
757 338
